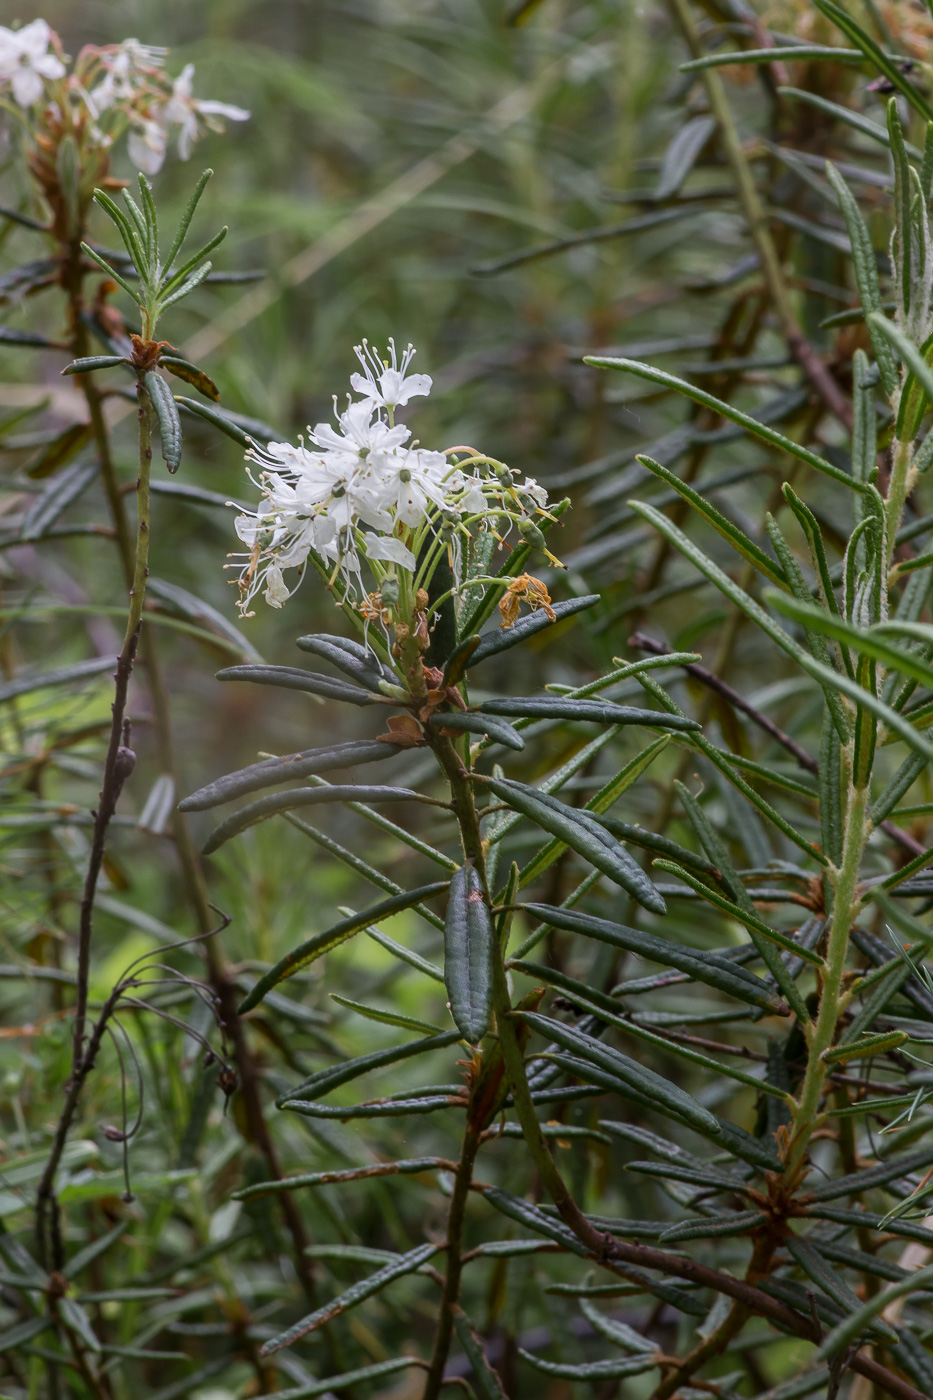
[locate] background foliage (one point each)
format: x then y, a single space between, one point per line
512 187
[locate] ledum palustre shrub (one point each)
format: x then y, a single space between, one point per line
719 1031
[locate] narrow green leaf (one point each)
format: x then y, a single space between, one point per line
54 499
385 1018
406 955
868 642
815 639
856 1183
378 1108
166 412
661 1092
266 807
721 524
270 771
734 415
295 678
62 675
336 1384
88 363
469 941
738 1222
868 1045
890 68
327 1080
866 272
599 711
533 1218
861 1319
356 660
737 912
497 730
321 943
718 854
246 432
485 1378
608 1009
690 1176
582 834
828 1279
847 115
607 795
503 638
619 1333
405 1264
709 968
407 1167
798 52
22 1332
589 1370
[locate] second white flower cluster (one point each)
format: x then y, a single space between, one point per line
362 491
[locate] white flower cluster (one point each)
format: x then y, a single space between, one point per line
363 491
125 80
25 61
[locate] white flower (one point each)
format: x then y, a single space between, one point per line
529 487
277 591
390 549
356 491
189 114
146 145
25 61
151 128
360 433
127 67
411 481
388 384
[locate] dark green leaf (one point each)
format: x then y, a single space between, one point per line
590 1370
244 431
469 941
294 678
890 68
88 363
328 1079
704 966
336 1384
405 1264
661 1092
498 730
583 834
737 1222
166 412
280 770
487 1382
682 153
491 643
357 661
599 711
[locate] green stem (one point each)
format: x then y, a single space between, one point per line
899 488
832 998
